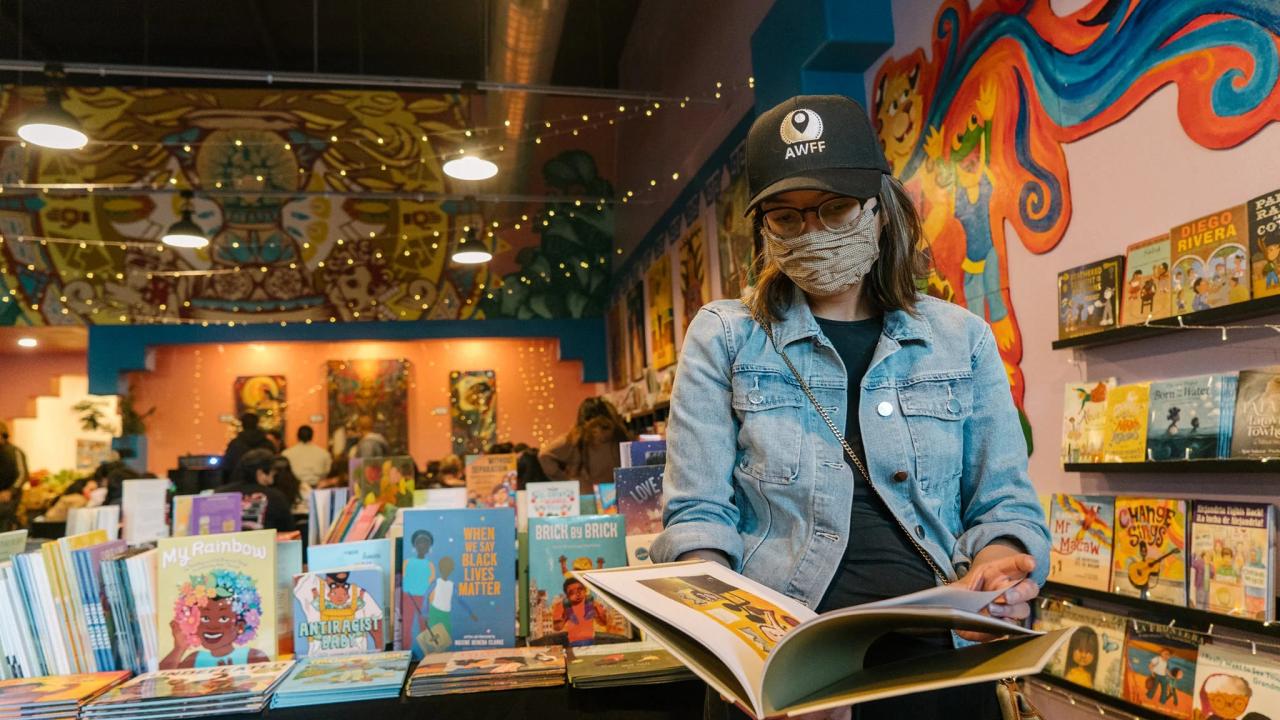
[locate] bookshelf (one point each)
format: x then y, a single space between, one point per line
1124 707
1181 467
1236 312
643 420
1183 617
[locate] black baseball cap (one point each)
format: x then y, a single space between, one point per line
814 142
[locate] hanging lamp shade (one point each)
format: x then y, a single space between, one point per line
185 233
53 127
470 167
470 251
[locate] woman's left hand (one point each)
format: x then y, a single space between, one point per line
1009 571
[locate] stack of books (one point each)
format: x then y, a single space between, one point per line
197 692
472 671
54 696
634 663
322 680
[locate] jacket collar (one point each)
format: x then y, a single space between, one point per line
797 323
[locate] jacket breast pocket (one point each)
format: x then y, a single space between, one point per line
770 411
935 411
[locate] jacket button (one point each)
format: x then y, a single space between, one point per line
920 531
900 476
755 398
884 409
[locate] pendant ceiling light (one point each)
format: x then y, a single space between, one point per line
470 166
470 250
185 233
52 126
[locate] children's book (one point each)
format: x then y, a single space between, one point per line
1147 282
1234 682
54 695
1094 657
459 584
1149 560
86 563
606 499
470 671
1191 418
216 599
142 505
1125 439
1160 668
379 553
1081 530
181 520
173 689
639 491
288 564
1084 421
561 610
1088 298
349 678
340 611
491 480
1232 551
1257 425
1210 261
442 498
1264 244
217 513
623 664
386 480
774 656
643 452
553 499
12 543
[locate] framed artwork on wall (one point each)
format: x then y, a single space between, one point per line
378 389
264 396
473 408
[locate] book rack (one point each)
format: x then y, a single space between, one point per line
1183 617
1181 467
1236 312
1121 706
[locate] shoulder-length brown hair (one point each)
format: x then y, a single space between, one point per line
891 284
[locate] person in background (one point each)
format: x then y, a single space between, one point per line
450 474
589 452
505 448
112 474
429 477
277 439
288 484
371 443
529 469
249 438
309 461
13 473
263 507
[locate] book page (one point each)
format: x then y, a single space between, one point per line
736 619
947 596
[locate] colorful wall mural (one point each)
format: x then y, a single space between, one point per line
975 125
303 194
376 390
264 396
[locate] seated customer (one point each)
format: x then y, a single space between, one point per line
263 507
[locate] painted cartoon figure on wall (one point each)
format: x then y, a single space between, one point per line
975 127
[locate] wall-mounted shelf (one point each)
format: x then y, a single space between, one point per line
1101 698
1185 617
638 421
1181 467
1224 315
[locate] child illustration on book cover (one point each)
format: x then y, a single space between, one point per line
1082 657
757 622
215 616
1226 697
339 617
437 635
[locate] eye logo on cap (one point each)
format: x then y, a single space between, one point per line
801 125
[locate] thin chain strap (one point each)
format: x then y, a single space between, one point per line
853 456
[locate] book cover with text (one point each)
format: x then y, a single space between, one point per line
554 498
561 610
1081 530
339 611
1089 298
1126 429
1210 261
491 480
639 491
1149 560
1232 553
215 599
1084 421
459 586
1147 282
1160 668
211 514
1257 424
1264 244
1234 682
380 553
1191 418
1094 657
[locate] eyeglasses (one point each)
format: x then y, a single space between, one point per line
834 214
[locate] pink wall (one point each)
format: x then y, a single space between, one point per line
538 394
27 375
680 49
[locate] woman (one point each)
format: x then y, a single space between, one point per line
263 506
451 472
920 475
589 452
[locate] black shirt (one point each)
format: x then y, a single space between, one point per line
262 507
879 560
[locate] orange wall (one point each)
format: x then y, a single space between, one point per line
190 387
28 375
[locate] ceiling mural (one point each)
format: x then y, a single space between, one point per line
308 198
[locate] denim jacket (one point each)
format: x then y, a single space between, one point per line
753 471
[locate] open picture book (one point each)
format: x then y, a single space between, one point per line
773 656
